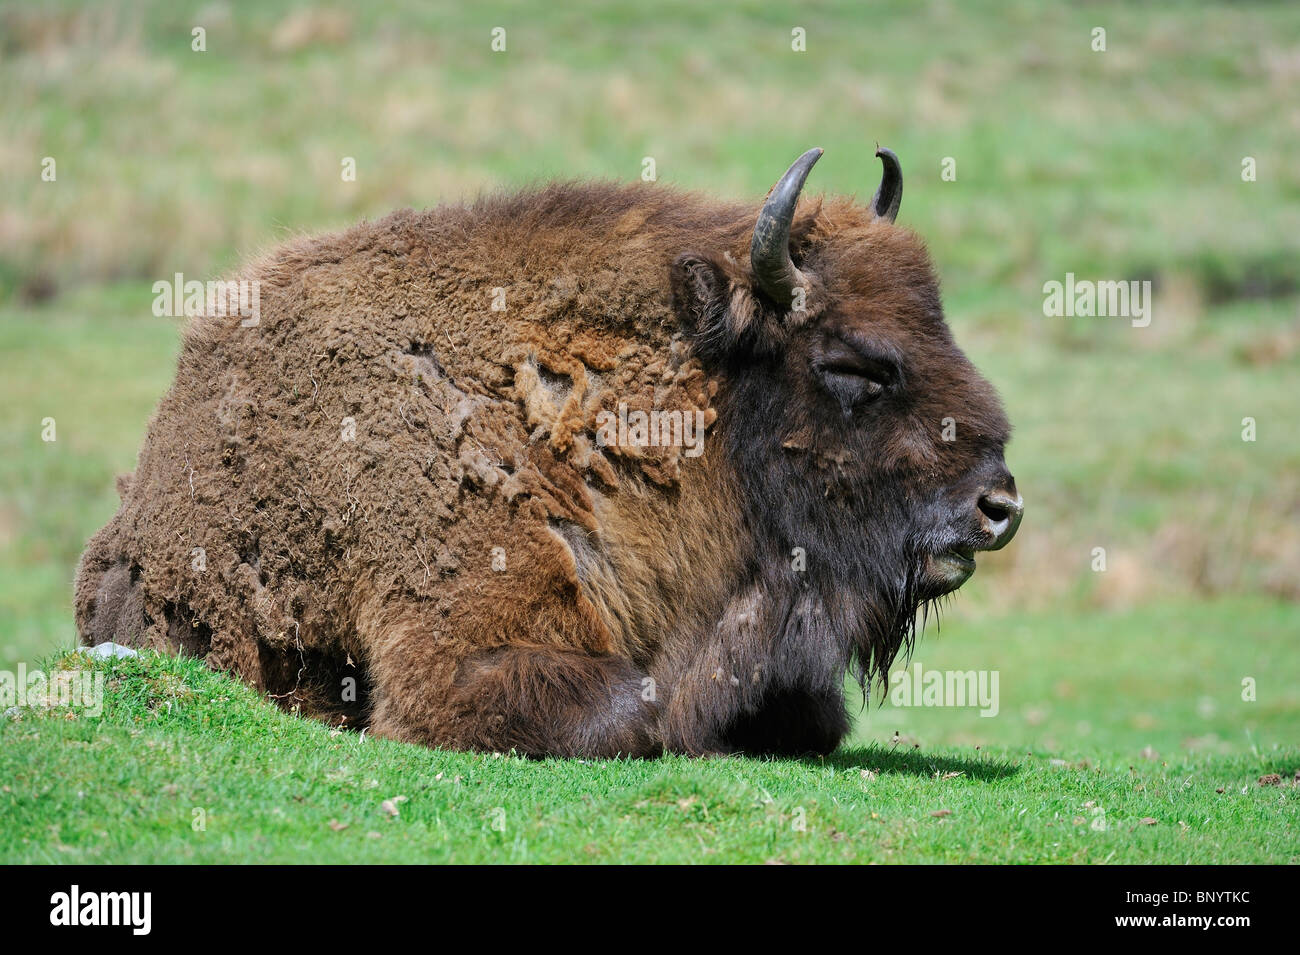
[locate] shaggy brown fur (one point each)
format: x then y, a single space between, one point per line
486 573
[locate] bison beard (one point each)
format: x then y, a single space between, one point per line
392 483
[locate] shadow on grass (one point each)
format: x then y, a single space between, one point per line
913 762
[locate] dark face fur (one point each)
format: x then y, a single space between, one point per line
861 435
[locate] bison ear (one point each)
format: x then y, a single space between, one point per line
715 308
699 289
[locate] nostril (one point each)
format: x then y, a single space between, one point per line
995 509
1001 513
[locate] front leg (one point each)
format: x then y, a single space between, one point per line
791 723
711 684
536 701
768 680
714 711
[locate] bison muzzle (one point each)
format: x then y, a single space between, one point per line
586 470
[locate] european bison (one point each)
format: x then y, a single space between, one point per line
581 471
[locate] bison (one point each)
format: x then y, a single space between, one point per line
585 470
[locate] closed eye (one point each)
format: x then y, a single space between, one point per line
869 382
851 374
862 369
852 364
853 384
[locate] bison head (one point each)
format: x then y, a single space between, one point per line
867 449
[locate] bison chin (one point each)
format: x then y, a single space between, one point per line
894 609
946 571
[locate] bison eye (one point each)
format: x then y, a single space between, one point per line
858 382
854 381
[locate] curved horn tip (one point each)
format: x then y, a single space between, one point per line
889 196
803 165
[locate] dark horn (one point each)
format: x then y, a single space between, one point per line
890 194
769 252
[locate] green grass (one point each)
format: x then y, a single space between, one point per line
1123 164
1140 782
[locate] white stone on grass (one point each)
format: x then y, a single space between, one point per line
107 651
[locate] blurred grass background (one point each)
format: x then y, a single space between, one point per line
1123 164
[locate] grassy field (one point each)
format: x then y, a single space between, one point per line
1121 688
189 766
